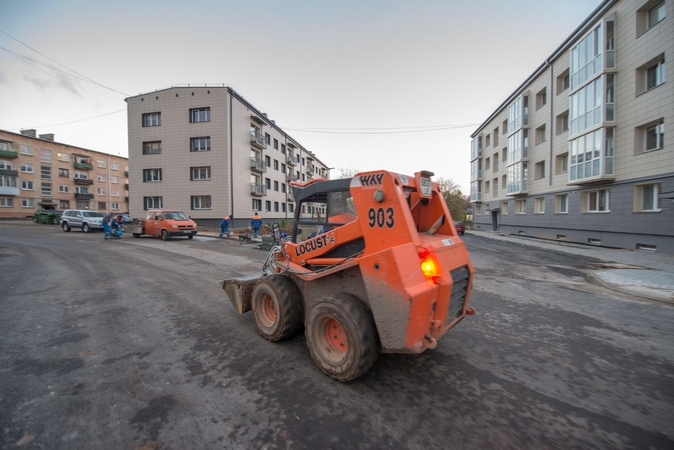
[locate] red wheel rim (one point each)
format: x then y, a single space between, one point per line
269 308
335 336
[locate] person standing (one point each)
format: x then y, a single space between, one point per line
106 225
117 224
256 223
224 226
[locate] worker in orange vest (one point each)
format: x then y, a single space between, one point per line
256 223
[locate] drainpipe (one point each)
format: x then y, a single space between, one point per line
231 162
552 96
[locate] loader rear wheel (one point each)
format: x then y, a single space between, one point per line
277 307
341 336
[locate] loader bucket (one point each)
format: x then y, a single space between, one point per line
239 291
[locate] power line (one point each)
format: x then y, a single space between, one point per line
68 123
82 77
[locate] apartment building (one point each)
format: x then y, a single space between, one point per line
578 152
38 173
209 152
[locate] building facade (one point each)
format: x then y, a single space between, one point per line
207 151
38 173
578 152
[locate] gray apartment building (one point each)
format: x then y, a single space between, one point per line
207 151
578 152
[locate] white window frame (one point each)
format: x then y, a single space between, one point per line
46 189
100 192
27 203
81 175
101 177
45 155
6 202
114 192
100 163
521 207
114 166
27 168
114 206
640 201
200 144
660 7
153 203
114 180
26 150
152 119
539 205
200 115
152 175
6 165
27 185
200 202
597 202
202 173
658 132
64 188
63 156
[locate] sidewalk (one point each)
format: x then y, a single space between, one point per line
634 272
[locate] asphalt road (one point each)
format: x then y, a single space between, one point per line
132 344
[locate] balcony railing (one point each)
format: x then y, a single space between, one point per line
83 166
258 164
476 196
8 154
257 139
291 160
84 181
258 189
518 187
79 196
9 190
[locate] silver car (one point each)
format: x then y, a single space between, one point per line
81 218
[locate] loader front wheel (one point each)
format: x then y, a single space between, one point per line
341 336
277 307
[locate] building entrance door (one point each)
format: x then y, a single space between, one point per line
494 219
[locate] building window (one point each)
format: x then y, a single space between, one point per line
541 98
561 163
276 185
518 114
504 181
26 150
655 15
101 206
495 136
283 207
257 204
283 168
592 156
114 192
267 161
101 191
64 173
101 177
6 202
504 208
5 165
267 183
561 204
115 166
267 138
275 206
540 134
655 74
539 170
152 203
45 172
655 136
152 119
487 164
520 206
64 204
114 180
200 144
586 58
45 155
64 188
201 202
562 122
152 175
563 82
100 164
81 189
276 144
152 148
46 190
7 181
518 146
114 206
646 198
595 201
487 187
267 205
283 188
81 175
63 157
27 203
275 165
495 159
200 115
586 106
539 205
200 173
291 208
487 141
27 185
26 168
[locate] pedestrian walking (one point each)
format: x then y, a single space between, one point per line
256 223
224 226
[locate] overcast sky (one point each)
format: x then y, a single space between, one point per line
396 85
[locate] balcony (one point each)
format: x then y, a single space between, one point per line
9 190
476 196
8 154
126 186
83 181
516 188
291 160
79 196
258 190
257 139
258 164
83 166
291 195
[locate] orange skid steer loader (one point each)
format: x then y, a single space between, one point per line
374 265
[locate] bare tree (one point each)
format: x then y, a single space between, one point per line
447 185
347 172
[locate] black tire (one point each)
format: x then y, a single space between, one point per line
136 235
341 336
190 236
85 227
277 307
65 226
164 235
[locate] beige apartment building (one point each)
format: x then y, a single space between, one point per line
209 152
38 173
578 152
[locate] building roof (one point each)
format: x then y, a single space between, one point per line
61 143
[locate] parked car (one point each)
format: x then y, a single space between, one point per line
50 216
81 218
460 227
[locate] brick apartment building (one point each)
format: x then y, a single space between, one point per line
38 173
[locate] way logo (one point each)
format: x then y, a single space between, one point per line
371 180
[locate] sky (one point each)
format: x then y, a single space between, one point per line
398 85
